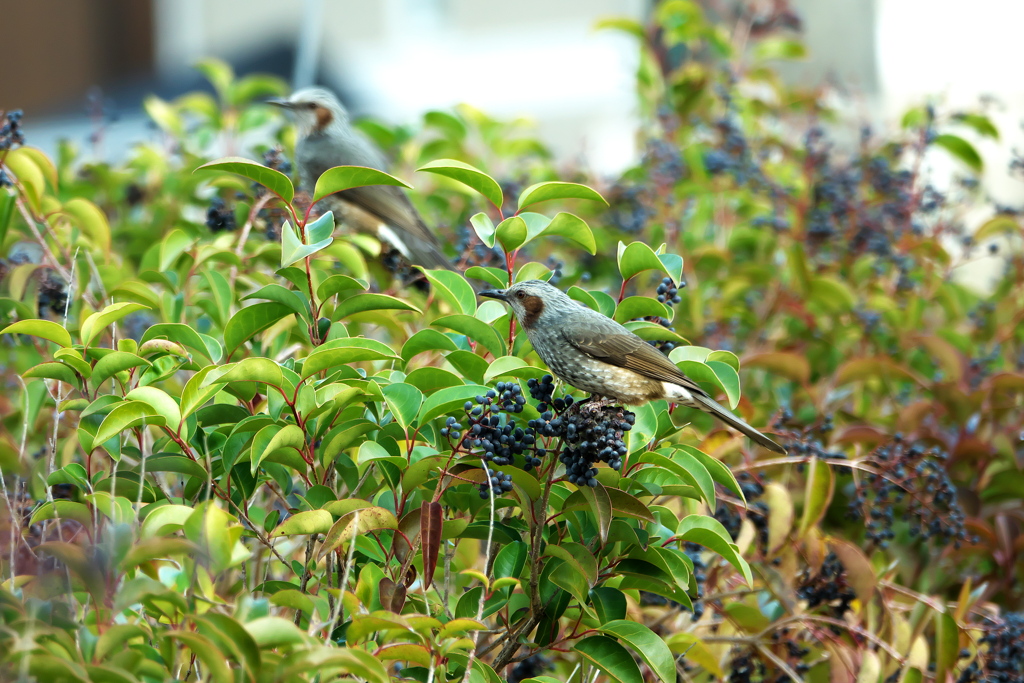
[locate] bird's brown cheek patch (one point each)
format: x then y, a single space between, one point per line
323 117
533 307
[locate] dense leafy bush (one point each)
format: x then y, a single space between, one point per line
240 446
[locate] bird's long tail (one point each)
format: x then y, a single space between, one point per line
710 405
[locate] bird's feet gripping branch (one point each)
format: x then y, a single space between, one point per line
592 352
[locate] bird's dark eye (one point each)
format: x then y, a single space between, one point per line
311 105
520 294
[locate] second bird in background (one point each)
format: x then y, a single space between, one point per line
327 139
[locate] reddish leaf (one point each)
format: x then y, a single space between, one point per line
430 537
392 595
790 365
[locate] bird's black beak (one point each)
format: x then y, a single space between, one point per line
279 102
495 294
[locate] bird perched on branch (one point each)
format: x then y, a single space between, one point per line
594 353
327 139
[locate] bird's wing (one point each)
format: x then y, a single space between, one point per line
390 205
628 351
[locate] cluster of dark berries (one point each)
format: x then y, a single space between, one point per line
775 222
395 263
492 429
914 478
274 158
551 422
629 210
530 667
556 270
757 511
695 553
499 481
219 218
11 133
828 587
807 440
982 365
594 434
668 293
473 251
53 293
745 668
1003 658
664 162
733 155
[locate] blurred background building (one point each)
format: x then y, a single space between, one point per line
536 58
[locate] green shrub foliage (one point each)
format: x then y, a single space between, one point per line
241 442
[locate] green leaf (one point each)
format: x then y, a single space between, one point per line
173 245
207 652
961 149
250 321
468 176
572 227
709 532
343 352
279 294
113 363
45 329
609 603
8 202
271 632
947 644
182 334
92 221
542 192
448 400
981 124
342 178
646 643
370 302
273 438
453 288
511 233
305 523
578 558
63 509
510 560
636 258
338 283
611 658
779 48
997 225
426 340
275 181
292 248
568 579
641 307
404 400
817 494
255 369
357 523
157 399
94 325
484 227
28 174
475 329
124 416
728 379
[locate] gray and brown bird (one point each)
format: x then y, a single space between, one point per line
592 352
327 139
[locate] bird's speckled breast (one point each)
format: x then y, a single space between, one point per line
589 374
